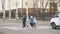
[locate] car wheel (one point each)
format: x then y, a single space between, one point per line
53 25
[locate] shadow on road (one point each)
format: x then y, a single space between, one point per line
57 29
2 33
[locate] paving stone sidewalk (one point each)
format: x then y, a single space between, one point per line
19 22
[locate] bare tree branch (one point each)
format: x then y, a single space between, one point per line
42 4
46 4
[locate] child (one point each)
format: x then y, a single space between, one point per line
32 21
35 22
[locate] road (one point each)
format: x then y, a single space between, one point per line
38 30
16 28
29 31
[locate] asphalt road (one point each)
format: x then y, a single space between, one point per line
15 28
29 31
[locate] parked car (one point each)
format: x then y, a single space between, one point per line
55 21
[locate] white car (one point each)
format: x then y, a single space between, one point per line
55 21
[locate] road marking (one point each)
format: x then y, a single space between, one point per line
19 28
43 27
15 28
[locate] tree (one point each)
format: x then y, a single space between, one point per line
43 8
9 9
42 4
3 8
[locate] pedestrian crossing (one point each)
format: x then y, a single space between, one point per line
20 28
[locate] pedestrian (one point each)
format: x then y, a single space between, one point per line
32 21
35 22
24 21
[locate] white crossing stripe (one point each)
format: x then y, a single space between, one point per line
43 27
15 28
18 28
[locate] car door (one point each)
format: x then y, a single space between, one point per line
59 21
59 18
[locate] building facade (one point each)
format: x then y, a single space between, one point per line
35 7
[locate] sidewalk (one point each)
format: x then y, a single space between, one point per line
19 22
47 23
26 28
